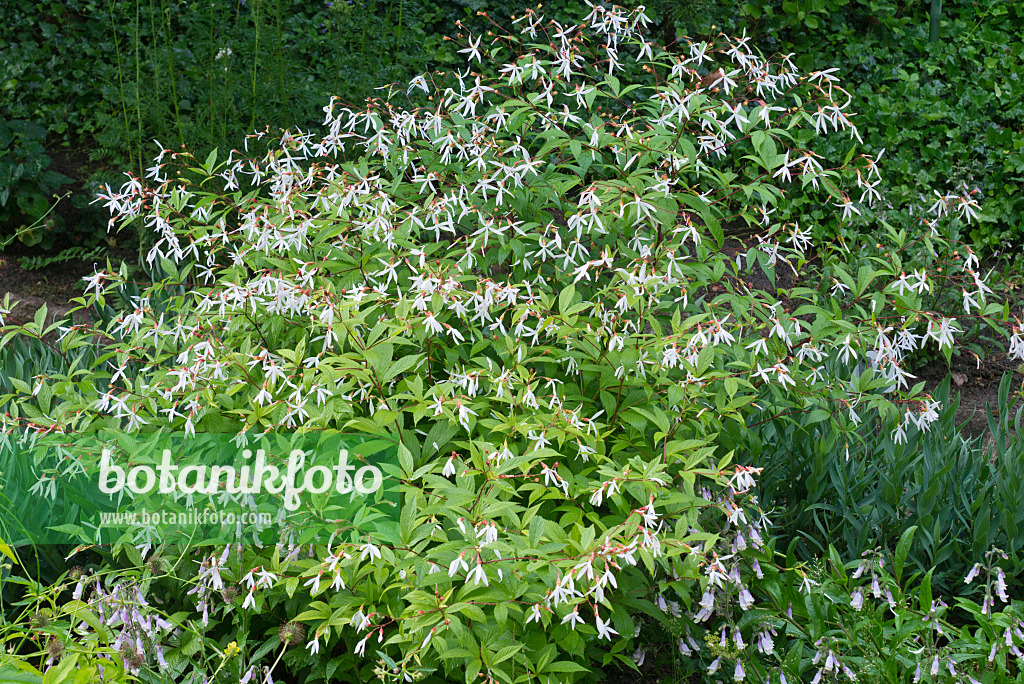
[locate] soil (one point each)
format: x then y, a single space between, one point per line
55 286
77 221
976 381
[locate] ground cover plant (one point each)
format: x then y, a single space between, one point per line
866 490
524 279
945 111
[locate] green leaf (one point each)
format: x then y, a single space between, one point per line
614 83
405 459
211 160
505 653
400 366
831 188
8 551
10 674
565 298
576 149
765 146
902 549
849 155
565 666
817 416
924 594
62 672
40 318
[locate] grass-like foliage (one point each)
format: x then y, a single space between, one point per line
526 280
865 490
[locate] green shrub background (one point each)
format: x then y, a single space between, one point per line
105 79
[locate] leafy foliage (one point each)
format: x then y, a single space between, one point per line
946 113
104 79
520 272
865 490
68 254
26 184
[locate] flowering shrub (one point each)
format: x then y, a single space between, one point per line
528 283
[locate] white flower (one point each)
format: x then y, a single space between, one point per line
314 581
478 575
473 50
360 620
489 532
449 467
551 477
419 82
432 324
94 282
464 413
969 301
746 599
765 644
604 631
759 347
572 618
857 599
47 483
648 514
944 335
806 584
453 569
1001 586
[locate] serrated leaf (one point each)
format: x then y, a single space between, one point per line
565 298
